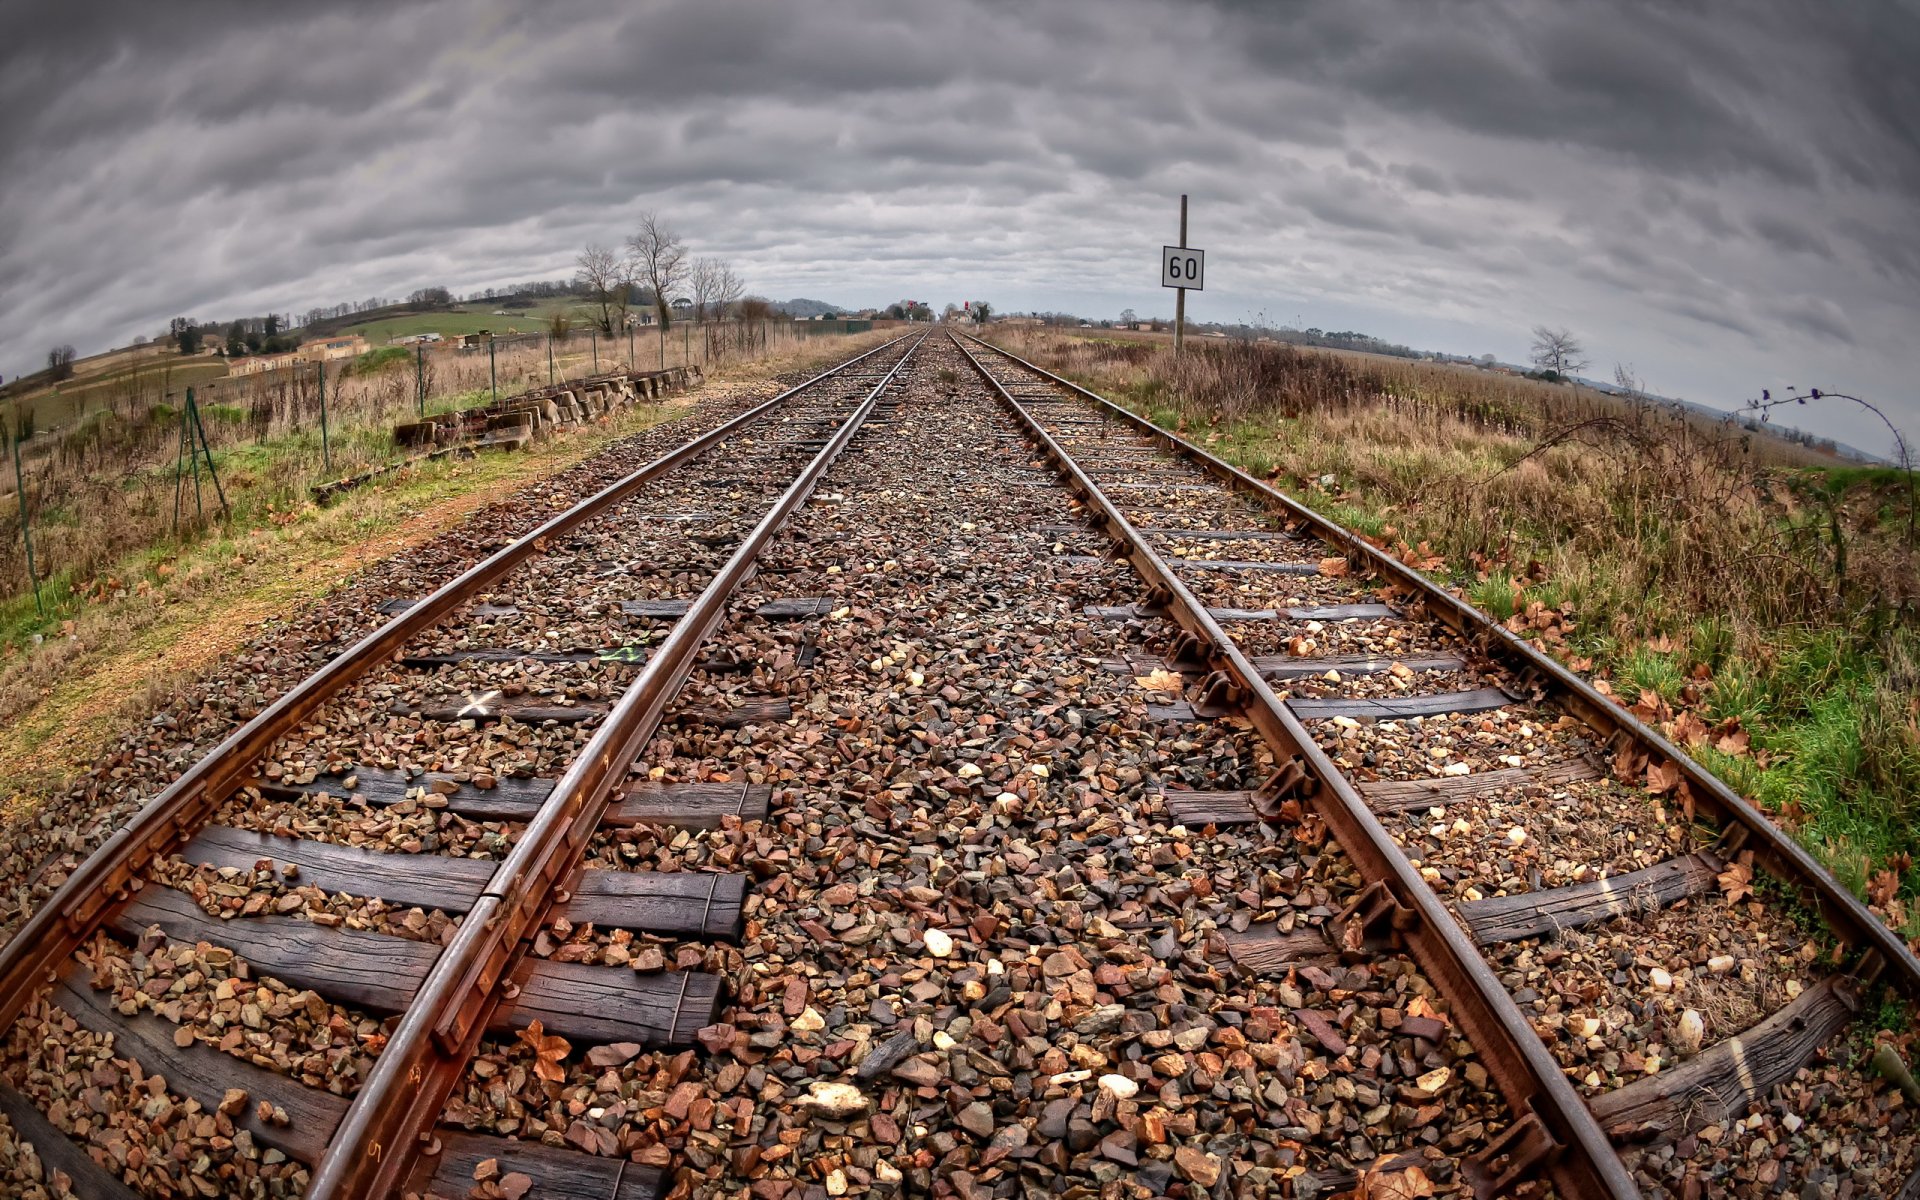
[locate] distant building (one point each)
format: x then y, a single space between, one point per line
262 363
349 345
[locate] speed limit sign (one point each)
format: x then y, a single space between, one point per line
1182 267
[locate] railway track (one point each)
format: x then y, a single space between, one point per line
578 636
1582 872
935 781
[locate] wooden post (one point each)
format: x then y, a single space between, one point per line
420 376
549 360
493 373
1180 294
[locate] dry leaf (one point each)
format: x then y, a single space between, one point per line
1333 567
1381 1184
1737 880
1161 680
1735 743
1689 729
1663 778
548 1052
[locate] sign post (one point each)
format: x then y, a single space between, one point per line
1182 268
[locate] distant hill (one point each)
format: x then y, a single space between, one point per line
810 308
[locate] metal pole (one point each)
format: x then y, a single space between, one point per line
326 445
1180 294
493 375
26 524
193 457
179 471
420 376
206 447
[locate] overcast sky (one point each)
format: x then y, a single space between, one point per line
1722 196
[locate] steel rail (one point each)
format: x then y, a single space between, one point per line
374 1149
165 823
1553 1132
1774 849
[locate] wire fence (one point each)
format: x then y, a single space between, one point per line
107 482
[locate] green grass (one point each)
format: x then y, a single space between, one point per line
474 318
69 402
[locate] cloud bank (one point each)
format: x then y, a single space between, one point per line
1724 204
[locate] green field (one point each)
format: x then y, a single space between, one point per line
75 399
472 318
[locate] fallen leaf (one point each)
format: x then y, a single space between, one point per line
1379 1183
1663 778
548 1052
1737 880
1333 567
1162 680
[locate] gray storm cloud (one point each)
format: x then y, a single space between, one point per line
1727 204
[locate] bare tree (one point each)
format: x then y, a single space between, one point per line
982 312
727 290
660 262
1129 319
607 279
60 362
1557 350
715 288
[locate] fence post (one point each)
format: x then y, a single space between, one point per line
629 347
493 374
663 345
206 448
685 334
420 376
26 523
549 360
326 445
595 335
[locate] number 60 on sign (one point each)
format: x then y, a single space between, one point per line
1182 267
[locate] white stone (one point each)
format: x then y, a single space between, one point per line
939 943
1660 979
1689 1032
1119 1087
831 1099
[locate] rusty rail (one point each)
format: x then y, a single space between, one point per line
1553 1133
400 1101
1883 950
165 823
